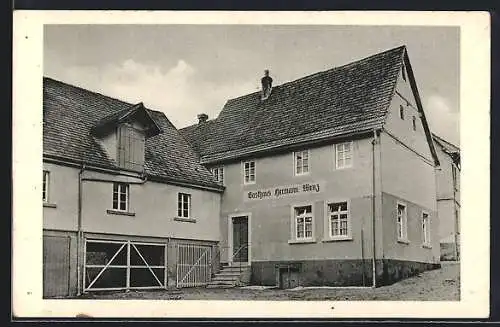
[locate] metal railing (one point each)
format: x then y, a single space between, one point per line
221 249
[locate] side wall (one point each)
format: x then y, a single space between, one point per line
408 176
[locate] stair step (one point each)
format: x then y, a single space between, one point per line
227 273
233 280
220 286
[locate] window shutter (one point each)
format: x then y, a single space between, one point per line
130 148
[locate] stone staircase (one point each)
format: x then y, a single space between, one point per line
230 276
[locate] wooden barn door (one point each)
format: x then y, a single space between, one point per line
56 266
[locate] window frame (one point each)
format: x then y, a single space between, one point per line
328 214
249 182
294 219
180 205
404 223
119 193
295 166
336 155
45 186
217 172
401 112
426 229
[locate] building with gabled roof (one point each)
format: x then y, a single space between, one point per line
448 198
126 203
329 179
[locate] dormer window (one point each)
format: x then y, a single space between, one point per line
123 135
130 147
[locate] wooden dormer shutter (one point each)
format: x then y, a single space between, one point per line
130 148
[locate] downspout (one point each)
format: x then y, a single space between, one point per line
374 262
79 238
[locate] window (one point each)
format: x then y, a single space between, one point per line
426 228
338 218
249 172
343 155
184 205
401 112
120 196
455 177
303 222
218 173
131 148
402 222
301 162
403 72
414 123
45 186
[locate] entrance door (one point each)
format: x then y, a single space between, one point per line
240 239
55 266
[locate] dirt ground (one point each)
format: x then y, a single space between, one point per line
437 285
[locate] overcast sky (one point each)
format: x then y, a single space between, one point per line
184 70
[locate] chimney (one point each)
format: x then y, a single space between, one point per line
267 85
202 118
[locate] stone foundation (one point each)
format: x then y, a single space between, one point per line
286 274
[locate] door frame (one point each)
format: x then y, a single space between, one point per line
230 236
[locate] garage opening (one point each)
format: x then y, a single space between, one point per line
117 265
193 265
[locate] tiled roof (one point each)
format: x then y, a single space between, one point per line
449 147
69 114
342 100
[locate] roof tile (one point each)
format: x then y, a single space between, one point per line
355 95
70 112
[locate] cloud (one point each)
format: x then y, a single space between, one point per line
178 91
442 119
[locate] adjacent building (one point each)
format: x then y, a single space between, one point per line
126 203
329 179
448 198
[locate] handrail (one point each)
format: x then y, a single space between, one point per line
240 248
245 245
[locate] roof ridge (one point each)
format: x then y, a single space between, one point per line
98 93
325 71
